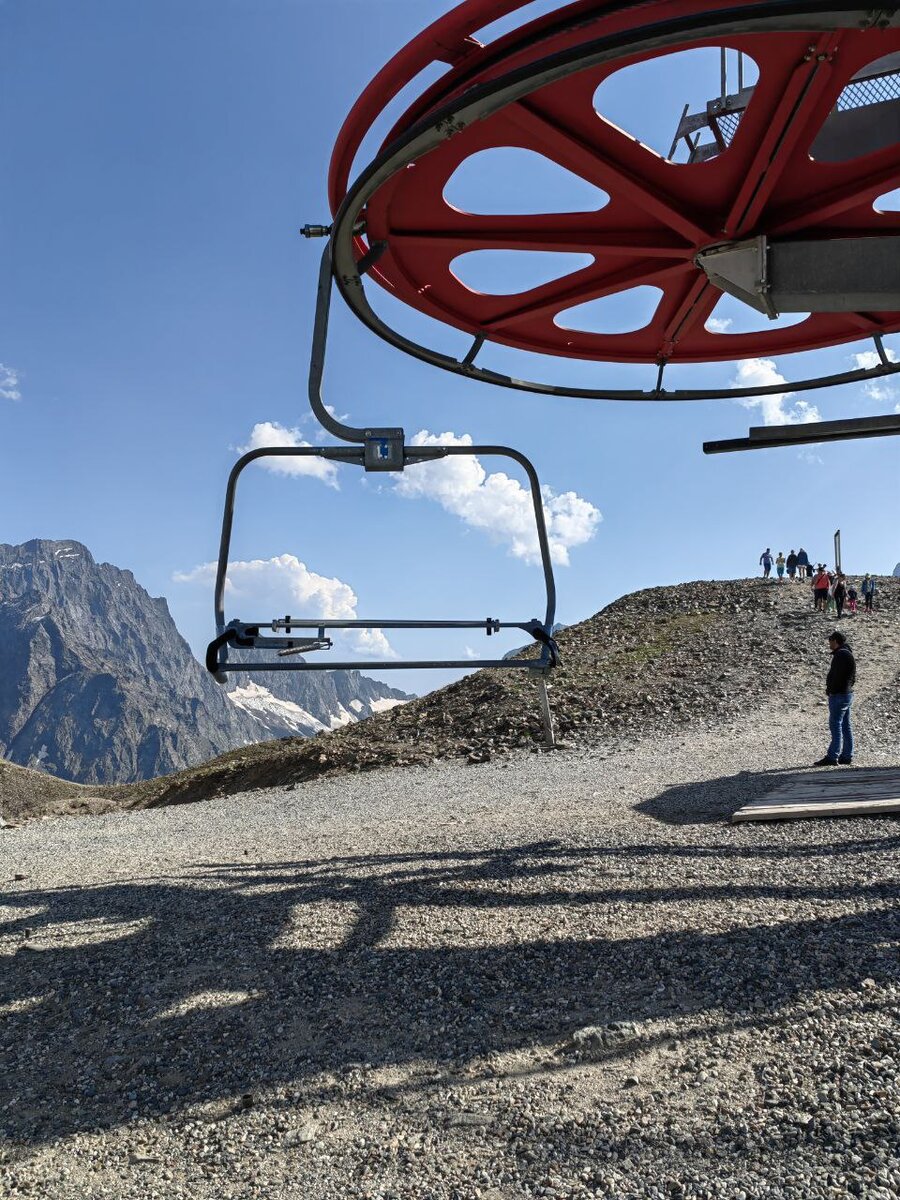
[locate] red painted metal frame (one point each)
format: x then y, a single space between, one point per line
659 215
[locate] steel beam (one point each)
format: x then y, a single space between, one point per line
765 437
842 275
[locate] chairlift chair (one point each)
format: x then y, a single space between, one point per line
377 450
775 206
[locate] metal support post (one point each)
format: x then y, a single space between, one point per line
546 714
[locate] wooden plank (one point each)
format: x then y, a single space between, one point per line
873 792
887 787
857 796
835 777
815 805
865 808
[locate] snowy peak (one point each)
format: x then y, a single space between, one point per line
273 713
301 704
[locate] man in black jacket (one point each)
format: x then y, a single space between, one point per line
839 687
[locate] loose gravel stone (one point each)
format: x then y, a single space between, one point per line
560 975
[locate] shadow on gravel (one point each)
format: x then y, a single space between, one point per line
716 800
144 998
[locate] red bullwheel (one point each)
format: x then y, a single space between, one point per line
534 89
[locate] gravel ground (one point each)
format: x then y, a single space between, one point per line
557 975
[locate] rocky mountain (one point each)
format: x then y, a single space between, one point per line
98 686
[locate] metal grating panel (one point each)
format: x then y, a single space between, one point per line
860 93
728 123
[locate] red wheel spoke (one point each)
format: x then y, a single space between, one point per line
551 232
832 203
865 322
594 288
785 128
595 161
683 311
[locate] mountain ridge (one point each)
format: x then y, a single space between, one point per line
655 663
99 686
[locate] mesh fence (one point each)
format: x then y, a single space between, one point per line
862 92
859 93
728 123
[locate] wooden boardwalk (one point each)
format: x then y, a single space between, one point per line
835 792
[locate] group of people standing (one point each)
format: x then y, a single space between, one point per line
797 564
832 591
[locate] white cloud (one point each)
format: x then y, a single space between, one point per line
761 372
267 587
496 503
9 383
719 324
333 412
372 643
867 359
320 435
270 433
881 390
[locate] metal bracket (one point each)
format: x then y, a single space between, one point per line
384 450
765 437
838 274
763 285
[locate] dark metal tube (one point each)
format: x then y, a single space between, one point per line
468 664
426 453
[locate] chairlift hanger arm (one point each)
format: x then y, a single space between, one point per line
374 449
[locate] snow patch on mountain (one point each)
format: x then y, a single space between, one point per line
342 717
269 702
274 713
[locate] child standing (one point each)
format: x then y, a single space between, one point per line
839 591
868 592
851 599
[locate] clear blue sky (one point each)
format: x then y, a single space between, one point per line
159 160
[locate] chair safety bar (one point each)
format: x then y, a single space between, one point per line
250 636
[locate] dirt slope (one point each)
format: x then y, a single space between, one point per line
704 653
26 793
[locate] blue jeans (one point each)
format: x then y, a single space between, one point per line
839 724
